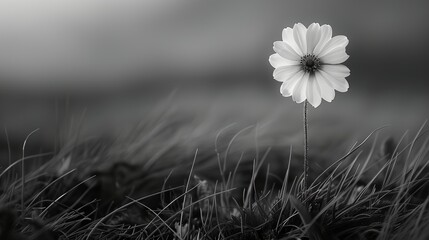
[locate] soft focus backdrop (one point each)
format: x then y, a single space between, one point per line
116 61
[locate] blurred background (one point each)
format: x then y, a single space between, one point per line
112 63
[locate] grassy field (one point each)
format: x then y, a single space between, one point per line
172 175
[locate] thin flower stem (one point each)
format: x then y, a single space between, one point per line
305 151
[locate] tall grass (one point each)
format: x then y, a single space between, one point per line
147 183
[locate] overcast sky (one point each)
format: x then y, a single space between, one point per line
102 40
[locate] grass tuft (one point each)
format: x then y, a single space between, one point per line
140 186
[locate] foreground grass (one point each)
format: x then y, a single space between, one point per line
139 186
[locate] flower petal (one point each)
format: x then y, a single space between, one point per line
325 36
313 92
313 37
334 43
284 90
336 56
287 36
299 92
283 73
278 61
288 86
300 35
286 51
339 84
337 70
326 90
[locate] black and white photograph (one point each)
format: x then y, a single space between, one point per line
214 120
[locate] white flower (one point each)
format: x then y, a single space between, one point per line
308 63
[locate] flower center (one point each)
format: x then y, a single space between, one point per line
309 63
